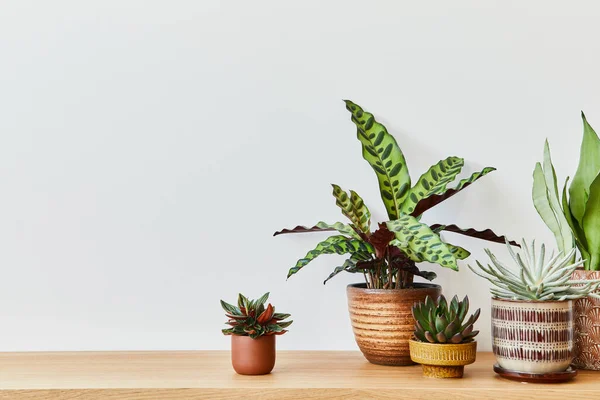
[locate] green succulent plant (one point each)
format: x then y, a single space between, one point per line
388 256
440 322
535 276
574 218
252 318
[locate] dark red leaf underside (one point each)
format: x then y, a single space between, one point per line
486 234
302 229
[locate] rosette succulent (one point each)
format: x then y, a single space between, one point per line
440 322
252 318
535 276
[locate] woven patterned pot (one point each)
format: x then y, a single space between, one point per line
443 360
532 336
382 320
587 327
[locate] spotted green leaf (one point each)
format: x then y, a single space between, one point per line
354 208
459 252
332 245
435 199
588 169
419 242
382 152
349 265
433 181
321 226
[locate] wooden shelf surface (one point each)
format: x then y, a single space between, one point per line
297 375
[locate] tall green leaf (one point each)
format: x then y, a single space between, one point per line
587 170
547 203
332 245
435 199
353 207
575 228
433 181
382 152
419 242
322 227
591 224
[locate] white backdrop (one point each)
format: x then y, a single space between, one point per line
151 148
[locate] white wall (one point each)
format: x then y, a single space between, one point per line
149 150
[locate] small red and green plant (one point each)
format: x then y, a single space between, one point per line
252 318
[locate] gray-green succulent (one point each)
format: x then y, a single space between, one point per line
536 277
440 322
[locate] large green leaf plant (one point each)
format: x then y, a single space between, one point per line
388 256
573 217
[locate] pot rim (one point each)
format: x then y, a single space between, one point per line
419 343
531 301
262 337
419 286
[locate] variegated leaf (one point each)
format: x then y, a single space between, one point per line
361 212
332 245
459 252
321 226
420 242
349 265
353 208
433 181
384 155
435 199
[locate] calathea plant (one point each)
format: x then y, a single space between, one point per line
252 318
575 218
387 256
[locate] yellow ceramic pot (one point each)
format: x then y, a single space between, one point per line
443 360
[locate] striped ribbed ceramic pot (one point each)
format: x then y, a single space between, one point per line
532 336
382 320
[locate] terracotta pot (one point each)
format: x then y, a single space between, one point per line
587 326
382 320
532 336
443 360
253 356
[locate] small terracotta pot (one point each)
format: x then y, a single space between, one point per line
532 336
587 326
443 360
253 356
382 320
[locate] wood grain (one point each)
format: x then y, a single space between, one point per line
297 375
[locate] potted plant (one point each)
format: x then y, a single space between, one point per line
532 309
380 308
574 218
253 328
443 341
